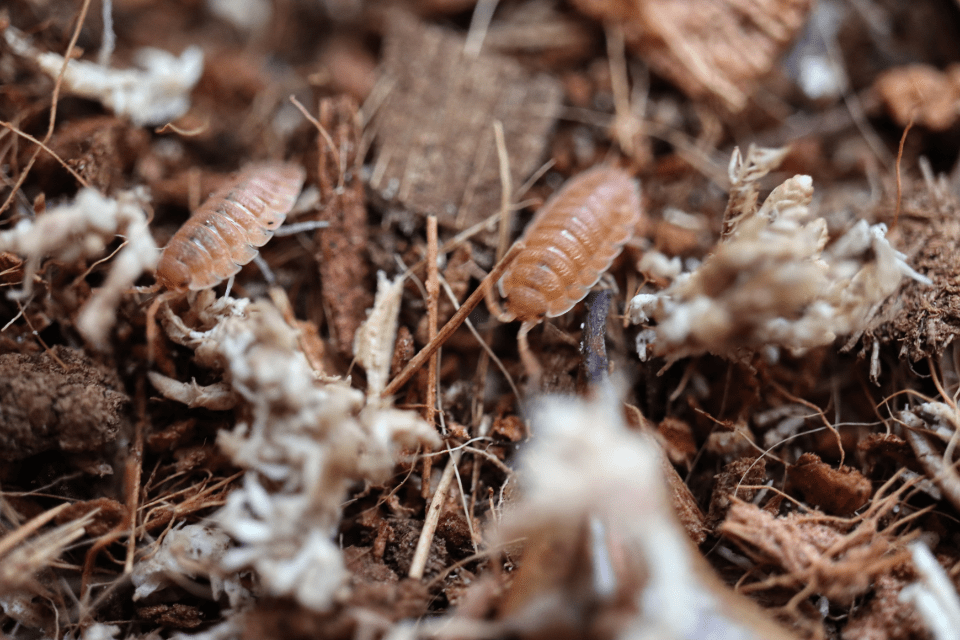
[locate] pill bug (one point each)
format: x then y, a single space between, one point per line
226 231
569 244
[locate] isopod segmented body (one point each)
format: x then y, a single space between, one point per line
570 243
226 231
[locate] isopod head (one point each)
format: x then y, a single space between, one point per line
172 274
226 231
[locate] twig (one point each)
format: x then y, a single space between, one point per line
625 125
419 562
466 511
36 334
109 39
593 347
483 345
433 299
186 133
453 324
43 146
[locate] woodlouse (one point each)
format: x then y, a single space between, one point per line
570 243
226 231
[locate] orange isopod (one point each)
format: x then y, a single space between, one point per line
570 243
226 231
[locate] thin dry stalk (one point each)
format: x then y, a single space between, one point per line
44 146
54 100
484 344
944 476
433 300
325 136
903 140
134 475
21 559
454 323
419 562
17 536
506 188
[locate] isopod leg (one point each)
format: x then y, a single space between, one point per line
152 332
530 362
493 306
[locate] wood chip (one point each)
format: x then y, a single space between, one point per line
436 153
716 48
921 93
837 491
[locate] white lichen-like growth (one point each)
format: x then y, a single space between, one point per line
373 342
304 444
587 472
744 174
774 281
216 397
96 631
187 553
83 229
154 94
934 596
246 15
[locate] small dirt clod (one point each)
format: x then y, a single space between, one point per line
44 406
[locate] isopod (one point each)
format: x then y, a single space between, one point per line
569 244
226 231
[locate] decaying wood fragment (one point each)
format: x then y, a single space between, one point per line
817 554
436 153
718 48
837 491
921 93
342 255
750 471
924 320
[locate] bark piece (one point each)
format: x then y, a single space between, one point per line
714 48
685 505
173 616
437 153
344 266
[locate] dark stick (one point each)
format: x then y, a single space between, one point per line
593 349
